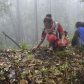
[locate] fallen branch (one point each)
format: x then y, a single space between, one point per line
11 39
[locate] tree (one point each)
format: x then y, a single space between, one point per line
4 7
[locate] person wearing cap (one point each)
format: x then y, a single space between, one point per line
53 31
78 38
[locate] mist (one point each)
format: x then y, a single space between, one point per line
22 20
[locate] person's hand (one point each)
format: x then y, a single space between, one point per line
34 48
50 49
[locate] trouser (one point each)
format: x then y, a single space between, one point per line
52 39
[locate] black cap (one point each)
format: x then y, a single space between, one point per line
79 24
49 15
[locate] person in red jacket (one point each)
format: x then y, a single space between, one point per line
53 31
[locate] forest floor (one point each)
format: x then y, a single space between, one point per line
64 66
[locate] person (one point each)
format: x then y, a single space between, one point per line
53 31
78 38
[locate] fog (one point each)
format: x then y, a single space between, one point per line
22 20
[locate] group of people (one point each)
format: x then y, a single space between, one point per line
57 36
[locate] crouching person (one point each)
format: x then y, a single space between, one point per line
78 38
54 33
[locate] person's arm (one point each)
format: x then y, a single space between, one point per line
60 31
42 39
